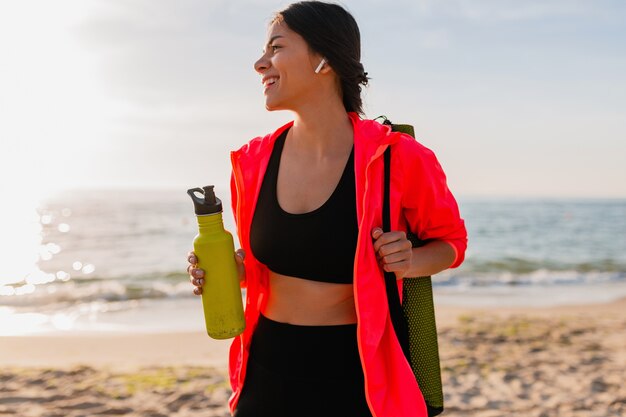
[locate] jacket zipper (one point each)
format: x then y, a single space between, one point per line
356 298
238 185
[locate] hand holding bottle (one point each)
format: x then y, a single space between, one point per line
196 275
219 277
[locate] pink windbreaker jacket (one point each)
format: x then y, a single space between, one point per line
420 201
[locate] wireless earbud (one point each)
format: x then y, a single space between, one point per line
319 67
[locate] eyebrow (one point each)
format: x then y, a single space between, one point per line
272 40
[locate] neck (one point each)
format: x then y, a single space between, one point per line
322 128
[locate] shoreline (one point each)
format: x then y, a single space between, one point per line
126 350
565 361
184 315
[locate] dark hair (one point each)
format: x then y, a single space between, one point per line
331 31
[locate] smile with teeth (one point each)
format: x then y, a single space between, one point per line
270 81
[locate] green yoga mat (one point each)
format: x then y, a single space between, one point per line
418 310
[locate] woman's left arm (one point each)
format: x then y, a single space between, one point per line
396 254
431 212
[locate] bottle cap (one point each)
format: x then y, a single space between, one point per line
208 204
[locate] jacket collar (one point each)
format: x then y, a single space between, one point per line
370 140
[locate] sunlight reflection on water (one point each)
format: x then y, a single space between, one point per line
22 248
41 259
20 243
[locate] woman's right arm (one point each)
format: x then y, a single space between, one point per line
196 275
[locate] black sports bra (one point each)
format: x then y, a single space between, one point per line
319 245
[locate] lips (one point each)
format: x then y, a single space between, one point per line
269 81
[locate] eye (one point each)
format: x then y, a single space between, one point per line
272 47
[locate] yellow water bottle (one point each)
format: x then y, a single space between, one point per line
214 247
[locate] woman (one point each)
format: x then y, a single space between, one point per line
307 201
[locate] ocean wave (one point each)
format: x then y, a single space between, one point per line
72 292
175 285
535 278
516 265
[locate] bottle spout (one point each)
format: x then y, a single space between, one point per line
209 194
208 203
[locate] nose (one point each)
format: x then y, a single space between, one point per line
262 64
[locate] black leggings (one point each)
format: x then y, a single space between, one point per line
300 371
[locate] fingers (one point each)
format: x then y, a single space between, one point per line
195 272
399 246
393 258
396 266
196 281
399 268
377 232
397 262
240 254
393 251
384 239
196 275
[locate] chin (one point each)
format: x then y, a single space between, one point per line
269 106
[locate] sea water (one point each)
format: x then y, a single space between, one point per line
115 260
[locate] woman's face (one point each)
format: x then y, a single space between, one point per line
290 68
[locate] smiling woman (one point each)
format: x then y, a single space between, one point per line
318 339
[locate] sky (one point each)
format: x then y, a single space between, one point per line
516 99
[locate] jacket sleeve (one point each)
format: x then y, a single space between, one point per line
429 207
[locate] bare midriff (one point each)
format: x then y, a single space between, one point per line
309 303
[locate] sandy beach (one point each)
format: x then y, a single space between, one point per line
559 361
